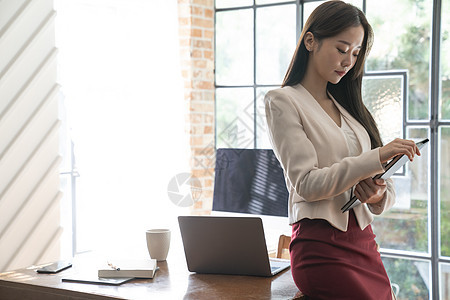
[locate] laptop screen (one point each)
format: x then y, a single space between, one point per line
249 181
227 245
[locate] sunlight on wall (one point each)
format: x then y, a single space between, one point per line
119 72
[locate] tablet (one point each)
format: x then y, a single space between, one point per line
393 166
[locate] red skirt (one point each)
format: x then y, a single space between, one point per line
327 263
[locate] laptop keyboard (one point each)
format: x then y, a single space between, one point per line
277 264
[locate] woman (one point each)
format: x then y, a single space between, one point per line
330 147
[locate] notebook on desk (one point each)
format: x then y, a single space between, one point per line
227 245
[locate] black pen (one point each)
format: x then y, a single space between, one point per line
113 266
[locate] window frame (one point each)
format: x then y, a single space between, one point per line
433 124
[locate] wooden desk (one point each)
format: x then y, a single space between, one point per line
172 281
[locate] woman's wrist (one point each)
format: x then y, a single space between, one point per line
378 207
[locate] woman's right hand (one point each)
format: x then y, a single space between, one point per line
396 147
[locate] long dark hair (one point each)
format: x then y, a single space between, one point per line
328 20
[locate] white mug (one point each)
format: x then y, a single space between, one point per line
158 243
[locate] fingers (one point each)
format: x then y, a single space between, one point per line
363 190
399 147
418 151
413 149
407 147
380 181
360 193
369 190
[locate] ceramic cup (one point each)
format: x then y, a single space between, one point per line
158 243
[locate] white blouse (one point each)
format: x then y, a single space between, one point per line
352 141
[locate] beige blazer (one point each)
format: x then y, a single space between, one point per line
314 155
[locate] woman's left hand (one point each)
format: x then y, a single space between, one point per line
370 190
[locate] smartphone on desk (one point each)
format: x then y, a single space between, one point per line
55 267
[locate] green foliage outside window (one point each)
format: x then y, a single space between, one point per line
405 273
410 50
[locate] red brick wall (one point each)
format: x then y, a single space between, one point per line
196 32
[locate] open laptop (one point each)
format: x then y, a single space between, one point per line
227 245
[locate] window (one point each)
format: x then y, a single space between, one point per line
407 88
120 75
251 58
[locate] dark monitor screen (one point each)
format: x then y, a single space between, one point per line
249 181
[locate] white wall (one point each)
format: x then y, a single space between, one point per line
29 125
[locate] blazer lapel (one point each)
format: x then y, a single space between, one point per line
358 129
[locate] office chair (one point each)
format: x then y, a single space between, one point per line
283 244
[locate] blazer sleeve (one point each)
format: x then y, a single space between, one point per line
299 159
